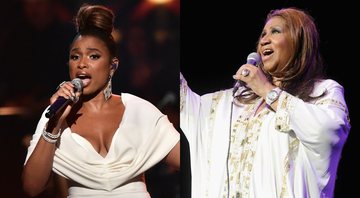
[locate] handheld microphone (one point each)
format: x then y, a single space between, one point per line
253 59
62 102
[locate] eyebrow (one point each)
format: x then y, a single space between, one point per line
89 49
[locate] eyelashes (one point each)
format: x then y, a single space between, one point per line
275 30
91 57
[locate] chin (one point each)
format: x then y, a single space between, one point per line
269 66
85 92
266 68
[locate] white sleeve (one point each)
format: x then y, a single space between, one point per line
189 110
36 136
318 125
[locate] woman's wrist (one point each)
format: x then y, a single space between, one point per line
49 136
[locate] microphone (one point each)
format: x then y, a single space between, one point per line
62 102
253 59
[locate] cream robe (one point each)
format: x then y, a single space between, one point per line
145 136
292 152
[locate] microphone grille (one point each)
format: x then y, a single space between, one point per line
78 84
253 58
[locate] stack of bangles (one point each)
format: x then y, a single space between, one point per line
49 137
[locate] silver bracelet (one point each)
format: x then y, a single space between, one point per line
52 141
49 137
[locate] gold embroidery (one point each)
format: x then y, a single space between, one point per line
340 105
244 137
290 157
215 101
331 101
282 120
183 90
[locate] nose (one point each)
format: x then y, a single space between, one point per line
82 64
264 41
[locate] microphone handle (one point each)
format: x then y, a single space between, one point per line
252 59
237 85
56 106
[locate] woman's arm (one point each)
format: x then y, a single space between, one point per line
319 124
173 158
37 170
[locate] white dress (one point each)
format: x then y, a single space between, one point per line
144 137
292 152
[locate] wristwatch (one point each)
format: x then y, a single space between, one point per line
272 96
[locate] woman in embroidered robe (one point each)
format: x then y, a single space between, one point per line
281 133
101 143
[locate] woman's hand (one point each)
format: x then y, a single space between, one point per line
65 90
254 78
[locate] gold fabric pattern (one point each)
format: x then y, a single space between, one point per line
215 101
183 89
290 157
330 101
282 119
244 136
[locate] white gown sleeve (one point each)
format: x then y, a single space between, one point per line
189 110
321 127
315 124
36 136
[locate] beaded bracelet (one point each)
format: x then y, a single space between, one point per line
49 137
52 141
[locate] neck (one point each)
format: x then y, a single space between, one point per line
94 102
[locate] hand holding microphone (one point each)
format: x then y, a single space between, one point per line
67 93
253 59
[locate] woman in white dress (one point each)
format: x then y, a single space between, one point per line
101 143
281 132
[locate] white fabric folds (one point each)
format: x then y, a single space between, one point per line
145 136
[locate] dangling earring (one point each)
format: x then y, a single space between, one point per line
107 91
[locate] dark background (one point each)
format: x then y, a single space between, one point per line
217 36
34 42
